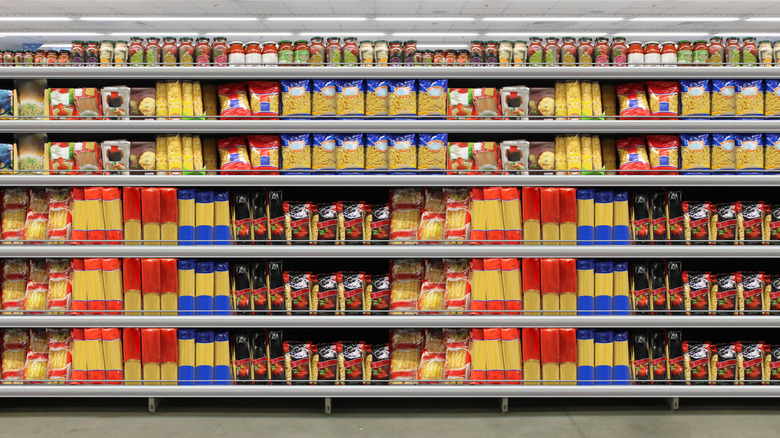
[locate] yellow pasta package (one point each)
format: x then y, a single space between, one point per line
573 99
723 152
402 151
406 208
187 163
432 152
377 156
432 97
560 154
609 100
586 148
161 98
609 153
350 153
406 350
174 152
560 99
573 154
587 98
695 152
323 152
772 97
323 97
210 157
749 152
595 147
724 102
598 107
186 99
695 97
350 99
296 97
772 152
377 99
296 151
175 102
402 97
210 105
750 97
197 100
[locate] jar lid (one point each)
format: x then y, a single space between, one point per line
106 41
684 42
667 42
316 38
253 42
122 42
652 42
521 41
366 42
269 42
505 42
700 42
634 42
285 42
236 42
301 42
64 52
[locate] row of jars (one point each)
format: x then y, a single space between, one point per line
332 51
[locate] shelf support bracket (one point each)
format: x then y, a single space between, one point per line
328 406
674 403
504 405
154 402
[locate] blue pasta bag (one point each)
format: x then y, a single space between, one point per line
772 152
6 156
432 152
350 153
6 103
749 152
377 152
349 98
296 97
323 97
432 97
724 102
723 152
402 97
695 154
323 152
402 151
695 97
376 97
750 97
772 97
296 152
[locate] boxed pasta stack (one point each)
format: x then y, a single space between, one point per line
579 99
179 100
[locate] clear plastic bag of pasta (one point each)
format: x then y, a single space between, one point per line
350 153
432 152
772 97
772 152
377 154
724 102
573 99
350 99
632 156
664 97
402 151
402 97
560 99
264 99
233 155
323 97
233 101
433 218
609 99
323 152
296 152
750 97
632 100
377 99
405 211
264 153
695 98
723 152
749 152
432 97
296 97
663 151
695 153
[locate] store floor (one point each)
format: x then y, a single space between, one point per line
127 418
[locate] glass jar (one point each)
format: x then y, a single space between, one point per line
333 50
438 57
619 51
77 52
106 53
427 58
568 52
585 51
535 51
463 57
684 53
38 57
317 51
765 53
552 51
652 53
170 52
8 57
350 52
668 53
51 58
409 48
601 51
202 51
381 52
120 53
286 52
749 52
135 51
152 51
270 54
504 52
776 49
236 54
701 53
396 52
18 57
733 51
418 57
450 58
519 53
186 51
477 53
92 53
63 57
717 51
219 51
366 51
491 53
253 54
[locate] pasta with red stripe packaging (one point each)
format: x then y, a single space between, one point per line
60 288
457 357
632 155
242 289
233 155
14 283
379 364
264 153
297 222
773 363
352 362
658 358
351 221
325 223
37 221
752 363
697 357
433 289
37 291
242 359
297 362
632 100
59 354
696 220
262 344
723 222
723 362
433 218
750 222
276 287
723 297
233 101
15 201
405 211
457 219
326 293
434 357
60 219
664 152
259 287
771 296
640 359
36 365
406 276
405 351
378 293
458 287
325 366
351 293
297 292
379 224
15 343
771 224
750 292
264 99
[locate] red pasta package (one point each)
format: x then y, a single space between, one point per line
433 218
405 211
632 100
233 101
59 214
406 276
433 359
458 359
664 97
458 217
458 287
37 223
405 350
664 152
233 155
264 99
632 155
264 153
15 203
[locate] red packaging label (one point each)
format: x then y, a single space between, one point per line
260 368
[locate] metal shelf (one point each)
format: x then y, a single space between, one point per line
308 125
319 391
389 321
390 251
433 72
401 179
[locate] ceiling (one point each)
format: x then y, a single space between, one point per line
426 31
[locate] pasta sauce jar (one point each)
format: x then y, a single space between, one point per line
301 52
136 51
504 53
120 52
381 52
8 57
568 52
619 51
463 57
636 54
236 54
186 51
551 51
285 52
427 57
684 53
366 50
585 51
106 53
219 51
350 52
202 51
92 53
519 53
396 53
749 51
316 51
77 52
253 54
491 53
63 58
668 53
438 57
701 52
733 51
765 53
152 51
269 55
451 58
333 51
717 51
410 47
51 57
601 51
477 53
170 53
652 53
776 50
535 51
39 58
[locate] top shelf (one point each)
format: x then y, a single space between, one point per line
433 72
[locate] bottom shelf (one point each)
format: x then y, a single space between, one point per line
433 391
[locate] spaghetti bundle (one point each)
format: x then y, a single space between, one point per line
168 287
513 360
621 374
478 356
621 234
585 286
204 287
494 290
532 298
568 286
186 286
222 374
221 218
585 357
186 356
550 215
168 356
150 285
131 204
510 207
78 282
186 216
112 285
96 365
603 354
532 228
168 216
493 214
494 364
112 352
568 216
96 297
222 304
585 216
620 288
204 217
79 353
478 216
603 217
150 354
131 345
603 283
550 286
96 227
532 366
478 287
511 284
568 356
150 214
